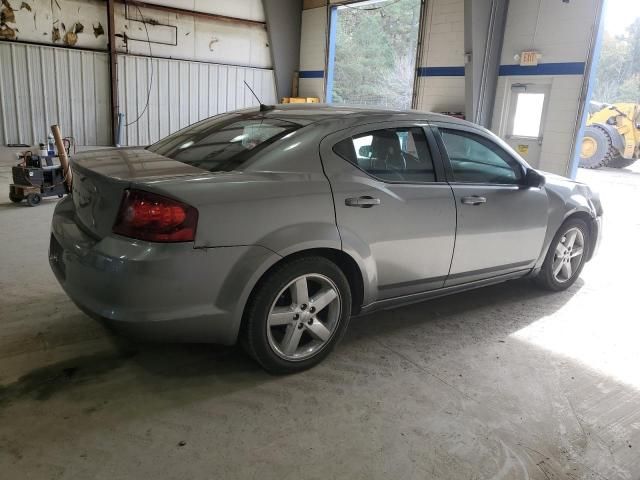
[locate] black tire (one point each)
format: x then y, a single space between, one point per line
604 153
254 336
545 277
15 198
621 162
60 195
34 199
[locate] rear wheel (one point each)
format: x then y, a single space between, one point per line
297 314
15 198
566 256
597 148
34 199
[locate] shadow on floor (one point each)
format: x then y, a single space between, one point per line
203 363
508 307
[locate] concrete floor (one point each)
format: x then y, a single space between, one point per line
504 382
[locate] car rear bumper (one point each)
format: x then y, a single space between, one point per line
153 291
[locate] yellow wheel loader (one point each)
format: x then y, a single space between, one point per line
612 136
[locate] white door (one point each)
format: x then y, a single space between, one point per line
527 109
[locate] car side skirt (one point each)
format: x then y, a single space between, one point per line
421 297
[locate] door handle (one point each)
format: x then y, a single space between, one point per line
362 202
473 200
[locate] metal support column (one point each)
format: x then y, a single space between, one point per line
485 22
284 20
113 66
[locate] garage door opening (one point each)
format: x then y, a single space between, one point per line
610 133
372 53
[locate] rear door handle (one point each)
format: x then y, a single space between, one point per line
473 200
362 202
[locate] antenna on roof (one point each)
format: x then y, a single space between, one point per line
263 107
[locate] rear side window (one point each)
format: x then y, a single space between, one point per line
223 143
391 154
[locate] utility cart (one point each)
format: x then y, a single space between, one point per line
36 177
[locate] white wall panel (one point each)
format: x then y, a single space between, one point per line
247 9
561 33
440 94
443 46
182 93
198 38
42 85
313 38
37 23
444 34
195 38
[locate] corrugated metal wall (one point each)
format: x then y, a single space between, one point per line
41 85
182 93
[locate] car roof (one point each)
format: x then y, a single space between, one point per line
307 113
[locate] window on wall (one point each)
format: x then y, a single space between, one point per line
390 154
372 53
527 120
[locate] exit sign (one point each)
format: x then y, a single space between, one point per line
529 59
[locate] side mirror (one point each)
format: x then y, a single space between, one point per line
534 179
364 151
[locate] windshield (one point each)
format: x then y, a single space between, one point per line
223 143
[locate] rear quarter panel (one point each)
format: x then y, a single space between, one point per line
282 201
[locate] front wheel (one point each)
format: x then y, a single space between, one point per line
566 256
297 314
34 199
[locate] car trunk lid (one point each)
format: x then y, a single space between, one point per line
101 176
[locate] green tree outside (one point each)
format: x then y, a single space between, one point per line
618 72
375 53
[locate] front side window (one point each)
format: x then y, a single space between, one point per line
391 154
221 144
475 159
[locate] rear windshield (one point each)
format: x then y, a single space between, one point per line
223 143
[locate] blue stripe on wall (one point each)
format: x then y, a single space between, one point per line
441 71
565 68
311 74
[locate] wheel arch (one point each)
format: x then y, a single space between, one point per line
587 218
579 210
343 260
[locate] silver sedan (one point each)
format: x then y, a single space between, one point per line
276 225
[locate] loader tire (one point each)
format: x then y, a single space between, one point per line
597 148
621 162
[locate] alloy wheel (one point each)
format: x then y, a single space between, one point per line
304 317
568 255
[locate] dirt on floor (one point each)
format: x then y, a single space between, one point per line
504 382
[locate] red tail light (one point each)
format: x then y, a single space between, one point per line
152 217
